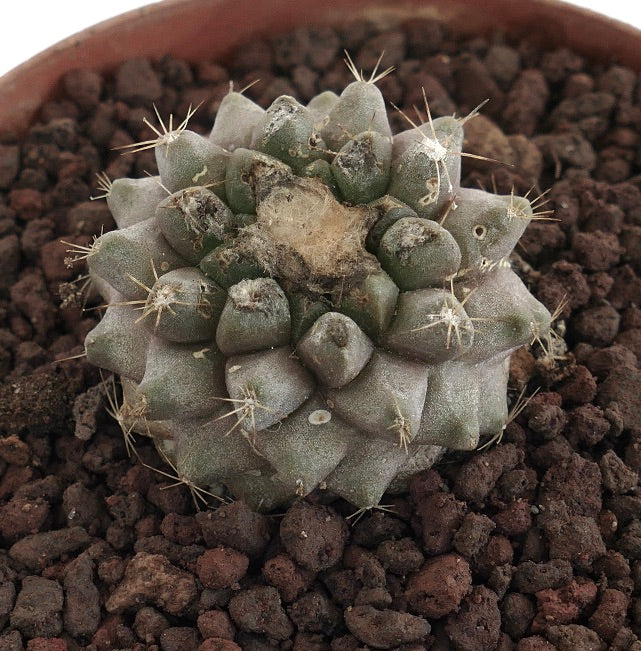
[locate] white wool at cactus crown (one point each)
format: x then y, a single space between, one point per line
30 26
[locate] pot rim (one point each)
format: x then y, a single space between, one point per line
198 29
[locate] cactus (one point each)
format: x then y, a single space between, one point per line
300 300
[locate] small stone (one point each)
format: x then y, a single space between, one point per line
313 535
180 529
235 525
11 641
563 605
479 475
531 577
515 519
400 557
83 87
441 514
259 610
577 482
151 578
623 386
221 567
572 637
609 615
477 625
14 450
87 408
149 624
288 578
518 612
21 516
438 588
178 638
578 541
385 629
47 644
38 609
28 203
137 82
617 476
82 600
315 613
40 549
215 623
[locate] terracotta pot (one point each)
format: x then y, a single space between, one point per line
197 29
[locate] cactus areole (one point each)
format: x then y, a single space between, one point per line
301 300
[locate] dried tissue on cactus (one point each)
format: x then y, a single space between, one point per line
303 300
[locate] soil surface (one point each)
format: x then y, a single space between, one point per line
532 544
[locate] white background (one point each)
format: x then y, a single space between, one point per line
29 26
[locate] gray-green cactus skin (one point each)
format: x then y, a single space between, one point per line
301 300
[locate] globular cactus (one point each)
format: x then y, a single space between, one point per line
301 300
